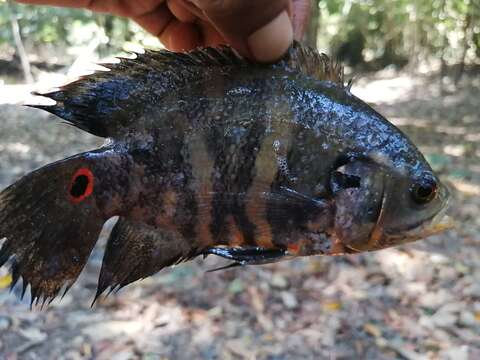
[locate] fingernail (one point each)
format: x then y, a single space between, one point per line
271 41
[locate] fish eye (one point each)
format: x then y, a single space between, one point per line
423 192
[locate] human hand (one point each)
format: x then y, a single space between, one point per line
259 29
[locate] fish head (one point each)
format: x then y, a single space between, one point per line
385 207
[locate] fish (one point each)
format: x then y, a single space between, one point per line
208 153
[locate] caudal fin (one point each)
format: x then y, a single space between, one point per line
51 223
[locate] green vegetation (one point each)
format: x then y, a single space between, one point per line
63 27
399 32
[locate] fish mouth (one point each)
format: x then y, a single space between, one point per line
436 223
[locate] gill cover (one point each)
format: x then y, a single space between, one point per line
359 207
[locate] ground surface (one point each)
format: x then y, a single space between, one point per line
420 301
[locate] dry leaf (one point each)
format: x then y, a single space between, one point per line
332 306
372 330
5 281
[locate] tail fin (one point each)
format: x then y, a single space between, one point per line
51 224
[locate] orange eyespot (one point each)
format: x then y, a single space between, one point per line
81 185
424 192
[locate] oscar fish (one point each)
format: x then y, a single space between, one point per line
209 153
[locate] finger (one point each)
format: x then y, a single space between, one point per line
63 3
178 36
180 11
187 4
117 7
271 41
301 10
260 29
210 35
155 21
125 8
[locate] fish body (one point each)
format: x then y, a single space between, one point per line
211 154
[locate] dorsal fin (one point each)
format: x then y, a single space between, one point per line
106 102
310 62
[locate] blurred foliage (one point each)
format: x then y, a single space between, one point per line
40 24
375 32
64 27
396 32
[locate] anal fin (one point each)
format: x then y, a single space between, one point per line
135 251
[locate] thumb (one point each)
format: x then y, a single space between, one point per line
259 29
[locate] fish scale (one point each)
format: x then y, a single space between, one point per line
209 153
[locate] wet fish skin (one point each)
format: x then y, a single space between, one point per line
210 154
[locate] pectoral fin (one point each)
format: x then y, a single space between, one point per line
246 256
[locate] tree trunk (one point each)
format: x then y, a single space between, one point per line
414 58
466 28
443 66
311 34
17 37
